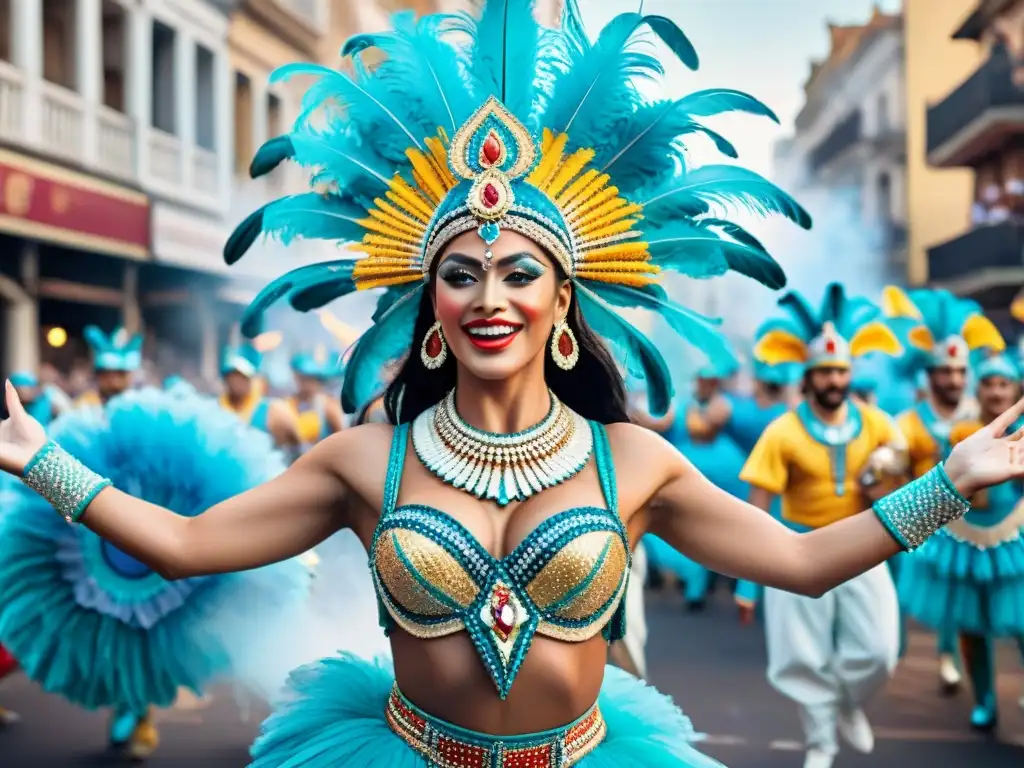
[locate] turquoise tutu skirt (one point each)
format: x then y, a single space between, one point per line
334 715
89 622
953 585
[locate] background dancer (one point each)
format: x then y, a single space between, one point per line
317 413
832 653
969 581
115 360
244 396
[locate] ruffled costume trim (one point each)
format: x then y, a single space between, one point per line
334 715
951 584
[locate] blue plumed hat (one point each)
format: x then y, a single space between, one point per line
938 329
491 124
780 374
842 329
120 351
24 379
241 358
318 364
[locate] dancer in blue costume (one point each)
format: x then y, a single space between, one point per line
939 333
969 580
93 624
115 358
39 400
500 510
316 413
717 457
244 396
743 419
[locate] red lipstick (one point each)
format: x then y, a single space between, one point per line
491 341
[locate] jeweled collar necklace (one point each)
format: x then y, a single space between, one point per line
502 468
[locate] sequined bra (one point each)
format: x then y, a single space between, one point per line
565 580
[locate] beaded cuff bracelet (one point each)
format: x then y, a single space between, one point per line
920 508
63 481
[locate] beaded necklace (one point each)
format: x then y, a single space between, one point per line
502 468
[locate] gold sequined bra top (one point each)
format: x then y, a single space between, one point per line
565 580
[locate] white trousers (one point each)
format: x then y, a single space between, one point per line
636 622
832 653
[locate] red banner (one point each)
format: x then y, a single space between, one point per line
47 202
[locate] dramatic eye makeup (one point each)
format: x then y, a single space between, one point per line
523 267
459 269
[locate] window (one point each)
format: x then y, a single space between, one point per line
243 124
115 52
205 129
59 42
883 194
163 87
882 114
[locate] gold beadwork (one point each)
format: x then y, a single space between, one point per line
458 151
435 566
401 582
603 585
570 568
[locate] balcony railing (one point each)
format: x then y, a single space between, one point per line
63 116
989 90
205 172
987 247
11 98
847 133
116 143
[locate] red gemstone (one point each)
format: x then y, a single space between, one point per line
491 149
951 350
491 196
434 345
830 347
565 345
503 613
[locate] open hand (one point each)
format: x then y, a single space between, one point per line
21 436
989 456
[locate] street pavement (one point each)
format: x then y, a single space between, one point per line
711 666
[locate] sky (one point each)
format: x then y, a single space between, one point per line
762 47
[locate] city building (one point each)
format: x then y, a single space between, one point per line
848 149
974 136
107 109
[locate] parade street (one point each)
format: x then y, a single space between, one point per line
707 662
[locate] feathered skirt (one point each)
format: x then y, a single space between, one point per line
954 585
345 711
93 624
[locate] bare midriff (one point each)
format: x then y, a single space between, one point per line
557 683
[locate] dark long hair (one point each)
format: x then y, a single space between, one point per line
593 388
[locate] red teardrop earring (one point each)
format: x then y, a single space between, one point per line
434 350
565 351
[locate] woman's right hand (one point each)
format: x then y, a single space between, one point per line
21 436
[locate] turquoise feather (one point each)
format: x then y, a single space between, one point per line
803 314
270 155
314 217
942 313
296 280
243 236
722 185
716 101
389 339
506 47
847 313
635 351
703 332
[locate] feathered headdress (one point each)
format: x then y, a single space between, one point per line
498 123
938 329
120 351
843 328
780 374
318 364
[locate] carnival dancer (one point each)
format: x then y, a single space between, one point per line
316 413
115 359
940 331
499 510
95 625
969 580
244 397
743 419
831 653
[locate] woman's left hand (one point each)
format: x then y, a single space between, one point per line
989 456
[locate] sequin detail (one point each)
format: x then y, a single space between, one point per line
576 563
63 480
922 507
446 746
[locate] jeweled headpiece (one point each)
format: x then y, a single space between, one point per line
843 328
938 329
533 130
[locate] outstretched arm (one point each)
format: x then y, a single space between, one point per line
733 537
277 520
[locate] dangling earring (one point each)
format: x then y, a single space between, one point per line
564 349
434 350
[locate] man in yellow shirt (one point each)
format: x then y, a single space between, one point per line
829 459
941 331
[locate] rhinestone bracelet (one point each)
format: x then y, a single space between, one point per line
920 508
63 481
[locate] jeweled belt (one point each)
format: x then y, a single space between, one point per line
444 745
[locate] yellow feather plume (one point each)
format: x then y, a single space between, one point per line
777 347
896 303
875 337
980 333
